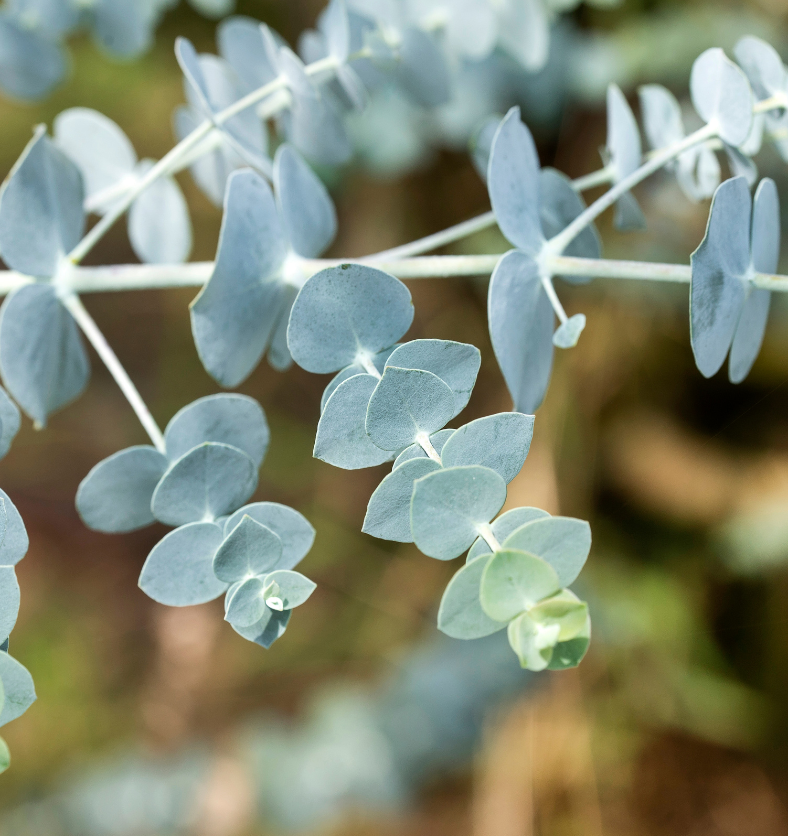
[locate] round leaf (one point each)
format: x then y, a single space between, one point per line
250 549
500 442
245 603
268 629
13 534
721 95
407 403
513 581
179 570
208 482
461 615
20 693
345 311
388 511
342 439
9 600
504 526
293 529
116 495
416 451
237 420
448 507
563 542
294 588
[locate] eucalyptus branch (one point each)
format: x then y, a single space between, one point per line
561 241
170 161
74 305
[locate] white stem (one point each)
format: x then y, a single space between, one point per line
196 274
779 101
486 532
369 367
169 161
594 179
89 328
561 241
424 440
547 284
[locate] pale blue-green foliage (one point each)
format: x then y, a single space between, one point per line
721 94
210 88
378 361
179 570
341 437
416 451
529 206
345 314
407 404
461 615
563 542
449 505
159 225
513 581
567 335
42 359
214 448
624 154
697 170
244 308
250 549
206 483
503 526
727 313
16 684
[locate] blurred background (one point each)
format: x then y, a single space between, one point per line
363 719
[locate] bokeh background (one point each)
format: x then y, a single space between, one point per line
363 719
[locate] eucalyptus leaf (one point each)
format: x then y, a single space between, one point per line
422 70
406 404
9 422
569 332
13 534
9 599
513 183
160 228
765 253
245 604
532 642
294 588
207 482
31 64
251 548
18 687
237 420
378 361
234 315
513 581
116 495
293 529
460 615
500 442
623 145
41 215
719 269
306 208
563 542
722 96
504 526
342 313
521 328
42 358
763 66
456 364
342 438
448 506
388 511
179 570
268 629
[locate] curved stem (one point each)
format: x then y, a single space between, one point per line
556 245
74 305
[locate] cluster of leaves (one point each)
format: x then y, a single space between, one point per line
392 401
520 307
17 692
33 55
213 450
